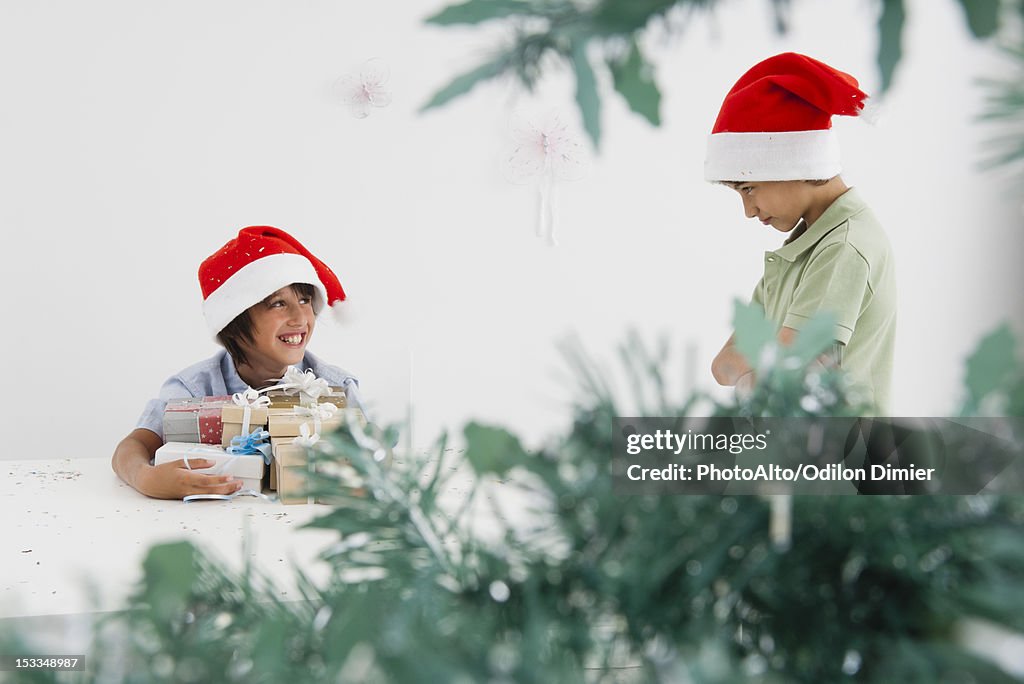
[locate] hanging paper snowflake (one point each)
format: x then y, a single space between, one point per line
366 89
545 150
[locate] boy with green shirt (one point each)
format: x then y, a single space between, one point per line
773 144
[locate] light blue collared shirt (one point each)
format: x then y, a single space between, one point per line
217 376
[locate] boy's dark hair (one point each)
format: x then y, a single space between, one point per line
239 330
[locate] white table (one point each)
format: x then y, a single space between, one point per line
75 536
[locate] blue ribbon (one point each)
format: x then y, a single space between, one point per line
257 442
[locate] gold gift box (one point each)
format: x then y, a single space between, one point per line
289 474
280 399
232 415
290 469
287 423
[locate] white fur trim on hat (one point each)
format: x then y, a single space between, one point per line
786 155
254 282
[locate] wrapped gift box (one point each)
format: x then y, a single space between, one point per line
196 420
290 471
289 424
249 469
283 402
233 416
291 468
233 413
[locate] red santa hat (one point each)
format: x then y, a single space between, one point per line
775 123
258 262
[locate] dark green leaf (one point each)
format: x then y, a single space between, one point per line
586 92
990 364
268 642
634 81
909 660
625 17
890 39
753 330
461 85
170 572
982 16
492 449
1004 102
478 11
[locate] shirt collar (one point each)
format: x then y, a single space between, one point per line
846 205
233 381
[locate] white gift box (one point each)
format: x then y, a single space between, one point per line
247 468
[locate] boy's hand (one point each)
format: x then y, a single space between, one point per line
174 480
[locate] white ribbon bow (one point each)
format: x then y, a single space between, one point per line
319 413
309 387
305 439
249 399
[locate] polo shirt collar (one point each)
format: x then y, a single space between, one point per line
846 205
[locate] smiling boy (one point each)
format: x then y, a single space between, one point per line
262 292
772 143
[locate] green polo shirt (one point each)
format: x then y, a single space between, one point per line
841 264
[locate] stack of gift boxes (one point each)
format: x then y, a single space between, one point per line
294 428
253 434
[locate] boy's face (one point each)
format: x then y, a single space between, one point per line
779 204
281 327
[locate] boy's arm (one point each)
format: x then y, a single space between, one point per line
168 480
730 367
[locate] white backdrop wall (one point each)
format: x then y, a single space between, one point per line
137 137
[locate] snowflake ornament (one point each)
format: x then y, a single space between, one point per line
364 90
545 150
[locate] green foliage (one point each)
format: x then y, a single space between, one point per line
753 331
890 39
586 92
634 81
1004 112
462 84
791 381
492 450
619 18
479 11
585 584
994 377
815 338
170 571
982 17
570 31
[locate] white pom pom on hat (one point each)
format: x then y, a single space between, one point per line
775 123
259 261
